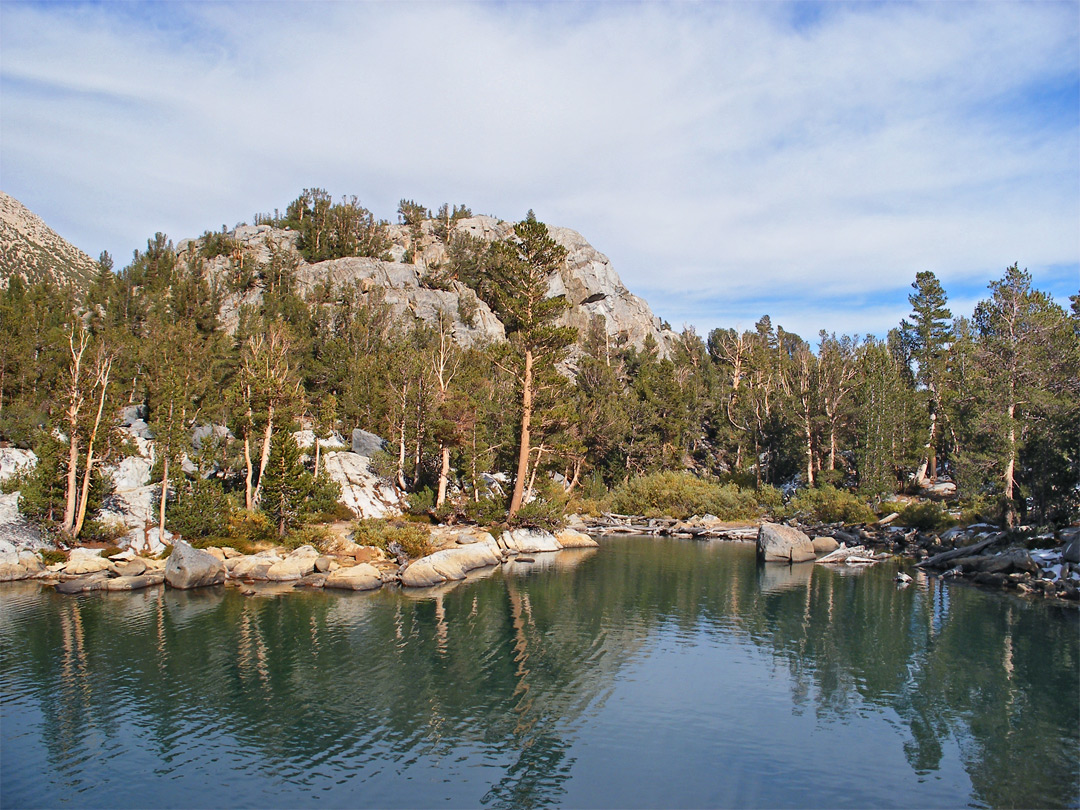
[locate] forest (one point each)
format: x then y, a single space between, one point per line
575 419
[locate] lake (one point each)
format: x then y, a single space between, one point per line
645 673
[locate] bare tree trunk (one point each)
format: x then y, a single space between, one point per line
809 436
164 497
75 402
444 474
1010 471
523 448
103 380
265 457
316 456
71 489
249 499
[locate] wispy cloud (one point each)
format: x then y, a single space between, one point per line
817 154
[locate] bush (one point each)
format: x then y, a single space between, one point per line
200 508
926 516
333 514
379 532
983 510
422 501
315 536
827 504
680 495
97 531
252 528
539 514
485 511
50 556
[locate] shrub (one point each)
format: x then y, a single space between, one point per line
539 514
680 495
827 504
379 532
252 528
50 556
98 531
200 508
333 514
485 511
983 510
315 536
927 516
422 501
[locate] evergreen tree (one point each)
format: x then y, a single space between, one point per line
286 484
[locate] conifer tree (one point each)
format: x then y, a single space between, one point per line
285 484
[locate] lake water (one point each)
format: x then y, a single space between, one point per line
648 673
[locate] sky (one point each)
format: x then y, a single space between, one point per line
801 160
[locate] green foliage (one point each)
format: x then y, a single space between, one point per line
252 528
199 509
318 537
287 487
538 514
214 244
97 531
827 504
331 230
380 532
926 516
680 495
52 556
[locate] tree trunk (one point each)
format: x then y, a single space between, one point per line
1010 472
72 487
103 378
316 456
249 499
523 448
444 474
265 457
164 497
809 436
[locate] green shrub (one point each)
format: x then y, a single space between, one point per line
539 514
422 501
485 511
316 536
827 504
380 532
334 514
680 495
983 510
252 528
926 516
96 531
50 556
200 508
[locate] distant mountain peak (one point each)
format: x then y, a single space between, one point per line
31 249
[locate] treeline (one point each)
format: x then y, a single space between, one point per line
992 401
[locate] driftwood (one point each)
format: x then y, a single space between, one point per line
855 555
938 560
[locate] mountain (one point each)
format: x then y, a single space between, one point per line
31 249
587 279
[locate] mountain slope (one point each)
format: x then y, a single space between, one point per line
31 249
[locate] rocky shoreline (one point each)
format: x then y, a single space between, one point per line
979 553
348 567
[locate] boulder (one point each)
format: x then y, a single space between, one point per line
134 583
529 541
297 564
91 582
315 580
569 538
133 568
189 567
451 564
12 460
361 577
823 545
1071 552
79 564
131 473
252 567
11 571
366 444
778 543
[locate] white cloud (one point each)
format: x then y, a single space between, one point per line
718 148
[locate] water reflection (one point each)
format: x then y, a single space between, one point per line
487 691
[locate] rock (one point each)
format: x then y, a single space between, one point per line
366 444
133 568
903 578
524 559
451 564
297 564
365 493
14 460
130 414
253 567
215 552
79 564
12 571
529 541
310 581
322 564
131 473
778 543
570 538
367 554
1071 552
84 584
189 567
230 553
823 545
361 577
134 583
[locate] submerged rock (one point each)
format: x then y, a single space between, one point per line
189 567
451 564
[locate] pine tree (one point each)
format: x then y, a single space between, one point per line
285 484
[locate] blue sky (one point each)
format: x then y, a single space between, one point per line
803 160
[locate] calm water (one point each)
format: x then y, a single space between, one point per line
650 673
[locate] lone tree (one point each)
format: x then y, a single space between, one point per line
518 292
